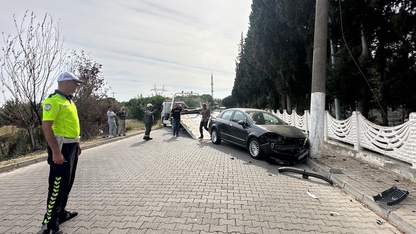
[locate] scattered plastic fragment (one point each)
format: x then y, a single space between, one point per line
305 174
312 195
391 196
334 213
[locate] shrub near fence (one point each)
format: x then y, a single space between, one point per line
398 142
13 145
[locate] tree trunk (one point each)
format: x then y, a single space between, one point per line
32 137
289 104
365 52
283 102
384 114
362 106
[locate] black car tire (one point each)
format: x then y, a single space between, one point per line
254 149
215 138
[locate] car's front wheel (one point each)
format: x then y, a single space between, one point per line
254 148
215 138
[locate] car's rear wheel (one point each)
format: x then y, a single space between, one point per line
254 148
215 138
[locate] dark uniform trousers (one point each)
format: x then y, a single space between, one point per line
148 127
61 179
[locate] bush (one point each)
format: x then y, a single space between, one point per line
14 145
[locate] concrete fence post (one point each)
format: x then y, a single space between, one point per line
356 120
412 137
306 119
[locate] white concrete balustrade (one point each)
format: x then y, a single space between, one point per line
398 142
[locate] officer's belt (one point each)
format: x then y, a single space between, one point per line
65 140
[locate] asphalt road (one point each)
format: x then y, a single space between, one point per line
182 185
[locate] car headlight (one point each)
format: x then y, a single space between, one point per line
275 139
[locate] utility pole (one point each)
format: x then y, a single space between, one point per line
316 134
336 100
212 87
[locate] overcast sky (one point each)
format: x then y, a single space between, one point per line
171 44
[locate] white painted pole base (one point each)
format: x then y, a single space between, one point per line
317 117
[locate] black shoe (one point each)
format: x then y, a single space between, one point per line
149 138
146 138
46 230
67 215
56 231
201 137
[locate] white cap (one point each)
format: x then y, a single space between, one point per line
149 105
68 76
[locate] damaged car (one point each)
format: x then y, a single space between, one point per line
262 133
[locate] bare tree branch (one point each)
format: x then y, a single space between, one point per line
32 59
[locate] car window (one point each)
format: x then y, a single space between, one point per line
226 115
238 115
265 118
257 117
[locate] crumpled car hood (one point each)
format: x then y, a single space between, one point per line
285 130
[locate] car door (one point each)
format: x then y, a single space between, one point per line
238 132
224 124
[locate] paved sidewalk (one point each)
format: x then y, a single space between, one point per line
42 157
364 181
358 179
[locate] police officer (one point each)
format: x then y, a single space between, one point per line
148 120
62 132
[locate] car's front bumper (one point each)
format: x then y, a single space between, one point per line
292 155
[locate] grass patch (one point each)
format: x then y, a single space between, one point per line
132 126
9 129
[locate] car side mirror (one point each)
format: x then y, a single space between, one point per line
242 123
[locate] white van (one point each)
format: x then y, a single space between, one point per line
166 108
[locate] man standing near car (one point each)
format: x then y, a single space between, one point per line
62 133
206 114
175 114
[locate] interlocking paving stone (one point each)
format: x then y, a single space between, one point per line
182 186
